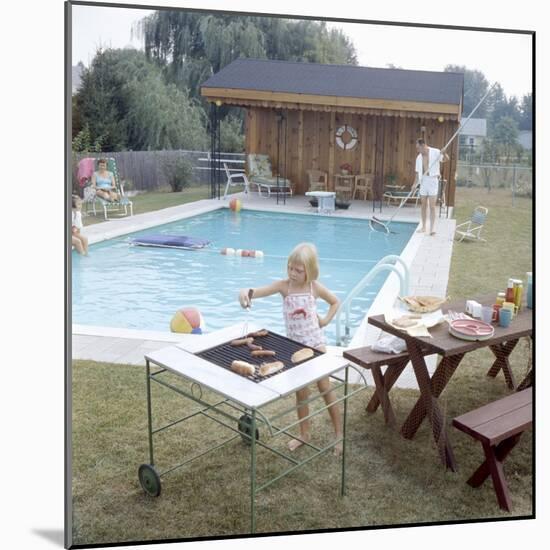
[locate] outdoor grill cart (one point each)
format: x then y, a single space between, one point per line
205 360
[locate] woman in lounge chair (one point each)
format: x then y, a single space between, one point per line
104 183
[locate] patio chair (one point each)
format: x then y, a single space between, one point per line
471 229
260 173
91 199
364 183
237 178
317 180
396 196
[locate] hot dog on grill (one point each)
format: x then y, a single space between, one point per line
263 353
301 355
242 367
241 341
258 333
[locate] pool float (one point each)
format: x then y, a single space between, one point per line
171 241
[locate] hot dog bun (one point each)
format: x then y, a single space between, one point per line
242 367
301 355
271 368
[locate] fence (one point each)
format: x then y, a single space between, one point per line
143 170
517 178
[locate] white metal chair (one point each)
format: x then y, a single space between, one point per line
471 229
237 178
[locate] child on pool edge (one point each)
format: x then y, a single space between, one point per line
300 292
79 241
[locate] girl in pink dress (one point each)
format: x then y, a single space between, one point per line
303 324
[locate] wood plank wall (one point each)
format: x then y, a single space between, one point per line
386 144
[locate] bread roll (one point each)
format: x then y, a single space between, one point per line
301 355
271 368
242 367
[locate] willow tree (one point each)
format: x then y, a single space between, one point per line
125 103
191 46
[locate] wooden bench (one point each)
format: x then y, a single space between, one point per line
374 361
498 426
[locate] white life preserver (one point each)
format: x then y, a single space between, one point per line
352 141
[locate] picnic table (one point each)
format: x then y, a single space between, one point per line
452 350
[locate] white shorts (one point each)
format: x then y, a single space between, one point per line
429 186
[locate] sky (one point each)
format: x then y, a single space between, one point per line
502 57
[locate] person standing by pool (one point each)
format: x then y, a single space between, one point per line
104 183
303 324
79 241
427 169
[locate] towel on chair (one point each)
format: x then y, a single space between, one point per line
85 170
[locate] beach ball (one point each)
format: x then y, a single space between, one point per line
235 205
187 320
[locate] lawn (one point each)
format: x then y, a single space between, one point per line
390 480
156 200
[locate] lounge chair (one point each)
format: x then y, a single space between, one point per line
237 178
317 180
397 196
260 174
91 198
471 229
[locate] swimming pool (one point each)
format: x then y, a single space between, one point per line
134 287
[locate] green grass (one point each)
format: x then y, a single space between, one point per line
156 200
390 480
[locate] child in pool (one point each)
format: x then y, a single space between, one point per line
300 291
79 241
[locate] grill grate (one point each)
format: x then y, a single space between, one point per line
224 354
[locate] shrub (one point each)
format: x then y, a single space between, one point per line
178 172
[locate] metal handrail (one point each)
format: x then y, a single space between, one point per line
385 264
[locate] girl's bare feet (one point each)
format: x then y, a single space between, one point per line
421 230
337 451
293 444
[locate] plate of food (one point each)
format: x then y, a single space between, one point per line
471 329
423 304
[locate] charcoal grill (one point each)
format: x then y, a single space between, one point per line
204 361
224 354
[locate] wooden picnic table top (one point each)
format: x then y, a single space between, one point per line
445 344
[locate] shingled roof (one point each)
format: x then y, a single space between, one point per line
340 80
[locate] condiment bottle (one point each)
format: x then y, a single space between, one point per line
510 291
501 298
519 295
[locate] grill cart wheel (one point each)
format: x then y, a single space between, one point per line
149 479
244 428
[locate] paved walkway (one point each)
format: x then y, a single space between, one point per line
429 261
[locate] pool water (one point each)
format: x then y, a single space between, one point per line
119 285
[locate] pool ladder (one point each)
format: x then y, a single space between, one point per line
388 263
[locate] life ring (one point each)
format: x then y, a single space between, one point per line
352 141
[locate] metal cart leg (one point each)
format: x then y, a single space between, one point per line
253 472
147 474
343 488
149 414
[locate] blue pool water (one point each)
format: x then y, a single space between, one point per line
125 286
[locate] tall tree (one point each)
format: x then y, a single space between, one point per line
526 112
506 136
475 87
126 104
192 46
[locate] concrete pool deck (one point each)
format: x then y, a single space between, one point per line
428 258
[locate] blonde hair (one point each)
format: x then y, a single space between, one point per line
306 255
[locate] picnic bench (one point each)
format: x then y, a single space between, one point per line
374 361
498 426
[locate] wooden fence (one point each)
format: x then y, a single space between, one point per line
143 170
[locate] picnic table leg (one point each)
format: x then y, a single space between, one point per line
494 457
384 383
439 380
502 352
383 397
431 404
